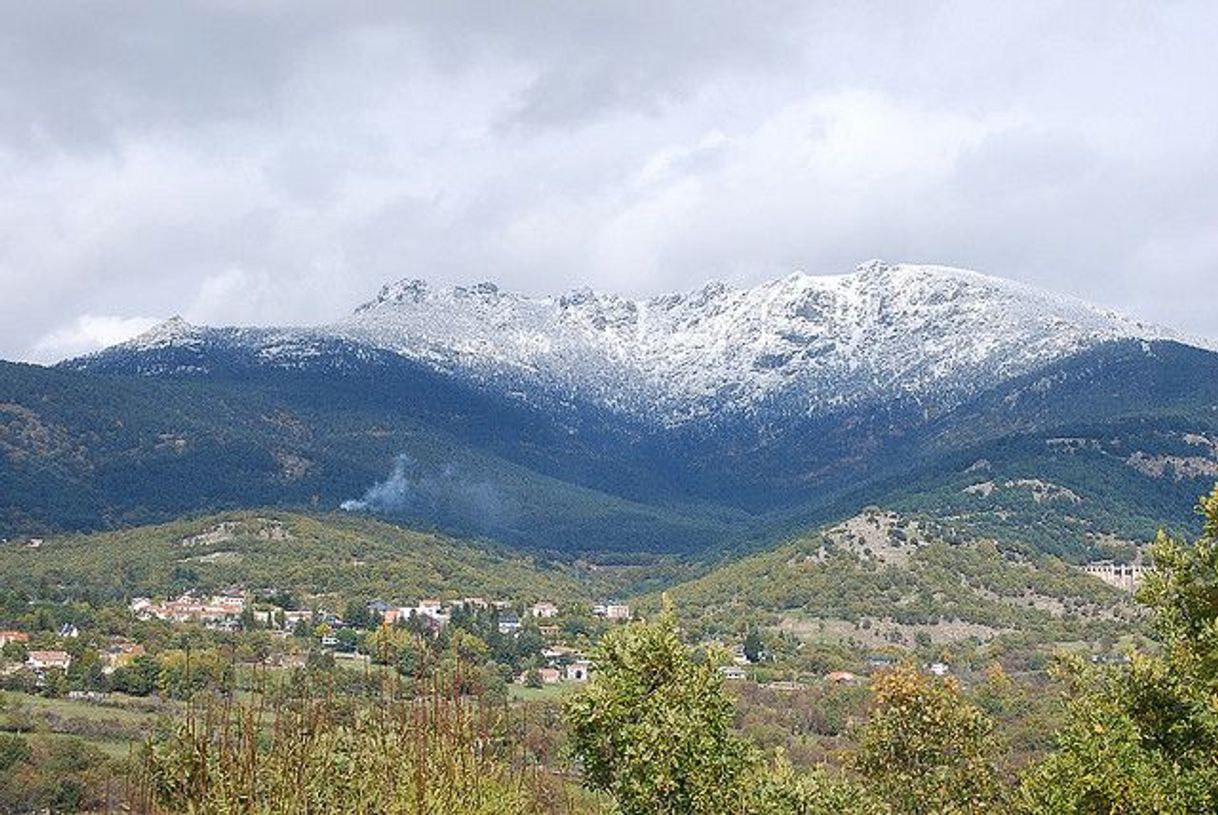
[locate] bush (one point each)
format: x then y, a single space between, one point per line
653 727
926 749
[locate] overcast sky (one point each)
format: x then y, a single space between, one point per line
275 162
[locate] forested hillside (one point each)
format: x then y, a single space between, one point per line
274 552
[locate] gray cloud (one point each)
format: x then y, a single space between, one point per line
275 162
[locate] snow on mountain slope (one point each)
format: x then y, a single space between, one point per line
800 345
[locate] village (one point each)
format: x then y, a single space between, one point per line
530 633
532 644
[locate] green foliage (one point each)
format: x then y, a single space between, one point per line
753 645
653 730
347 555
653 727
926 749
45 774
779 790
13 751
185 673
932 581
1103 765
1144 738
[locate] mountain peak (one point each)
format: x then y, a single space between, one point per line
408 289
167 332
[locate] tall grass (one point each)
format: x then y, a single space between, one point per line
307 750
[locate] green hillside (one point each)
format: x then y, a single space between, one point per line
346 555
885 578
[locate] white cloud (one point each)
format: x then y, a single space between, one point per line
88 333
631 146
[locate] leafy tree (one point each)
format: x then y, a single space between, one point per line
653 727
183 673
779 790
139 678
926 749
1144 738
387 643
14 652
752 645
348 639
356 614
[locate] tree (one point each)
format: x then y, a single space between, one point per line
752 645
653 727
348 640
357 615
386 644
1144 738
926 749
14 652
778 790
139 678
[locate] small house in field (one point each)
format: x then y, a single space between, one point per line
544 609
578 671
380 608
143 608
939 668
841 678
509 623
43 660
555 653
618 612
291 619
732 673
548 676
392 615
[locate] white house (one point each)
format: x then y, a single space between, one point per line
42 660
578 670
509 623
544 609
612 611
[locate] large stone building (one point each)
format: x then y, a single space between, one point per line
1124 576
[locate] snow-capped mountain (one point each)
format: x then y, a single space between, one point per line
929 336
592 421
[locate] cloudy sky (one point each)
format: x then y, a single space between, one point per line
275 162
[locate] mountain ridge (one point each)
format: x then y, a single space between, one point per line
811 343
568 450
